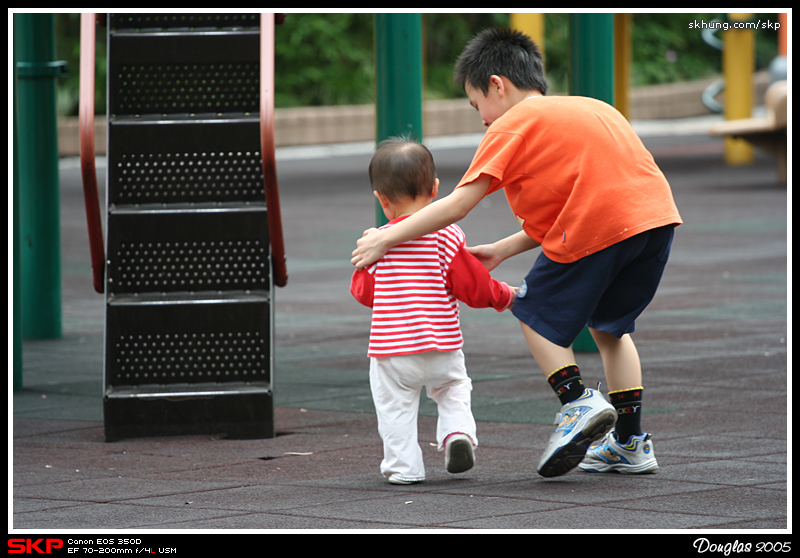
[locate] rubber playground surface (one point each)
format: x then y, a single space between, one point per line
714 346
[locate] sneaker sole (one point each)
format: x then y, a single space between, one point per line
396 480
572 453
640 469
460 456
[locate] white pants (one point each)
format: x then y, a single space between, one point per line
396 384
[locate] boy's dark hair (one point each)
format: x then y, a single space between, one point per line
504 52
402 168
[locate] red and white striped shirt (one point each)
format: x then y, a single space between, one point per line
414 292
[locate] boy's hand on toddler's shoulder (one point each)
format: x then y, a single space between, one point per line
368 249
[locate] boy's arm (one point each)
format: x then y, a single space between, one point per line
439 214
471 283
492 255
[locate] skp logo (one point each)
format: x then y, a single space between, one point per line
33 546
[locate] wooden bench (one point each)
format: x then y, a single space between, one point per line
768 133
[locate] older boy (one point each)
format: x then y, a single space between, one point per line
583 187
415 338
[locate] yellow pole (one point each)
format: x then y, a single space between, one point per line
532 25
738 65
622 62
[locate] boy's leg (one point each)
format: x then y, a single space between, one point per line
608 289
548 355
623 372
632 289
585 415
627 449
621 363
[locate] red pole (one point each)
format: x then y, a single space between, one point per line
267 117
88 170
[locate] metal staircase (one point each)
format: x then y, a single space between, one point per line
192 217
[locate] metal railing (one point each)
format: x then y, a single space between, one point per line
86 131
267 127
267 117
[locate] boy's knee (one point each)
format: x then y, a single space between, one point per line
601 336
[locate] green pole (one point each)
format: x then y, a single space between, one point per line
15 248
34 40
592 56
398 69
591 75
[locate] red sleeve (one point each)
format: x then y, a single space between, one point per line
362 286
471 283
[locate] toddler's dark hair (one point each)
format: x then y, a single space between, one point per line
504 52
402 168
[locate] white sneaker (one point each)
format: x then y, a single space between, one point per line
580 423
459 455
609 456
397 479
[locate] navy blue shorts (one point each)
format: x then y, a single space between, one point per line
606 290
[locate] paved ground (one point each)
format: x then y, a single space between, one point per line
714 345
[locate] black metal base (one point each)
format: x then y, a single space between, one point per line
236 416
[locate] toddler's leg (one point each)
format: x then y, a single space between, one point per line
396 407
450 387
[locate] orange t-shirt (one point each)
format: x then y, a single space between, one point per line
576 175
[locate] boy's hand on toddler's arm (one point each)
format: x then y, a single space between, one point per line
486 254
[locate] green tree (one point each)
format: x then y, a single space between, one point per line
445 36
324 59
328 59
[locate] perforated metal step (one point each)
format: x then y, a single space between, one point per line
183 73
185 162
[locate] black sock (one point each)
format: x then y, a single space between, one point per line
567 383
628 403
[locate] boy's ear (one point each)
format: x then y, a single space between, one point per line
496 81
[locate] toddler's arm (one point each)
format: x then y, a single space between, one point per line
362 287
471 283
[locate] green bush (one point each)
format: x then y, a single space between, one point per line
328 59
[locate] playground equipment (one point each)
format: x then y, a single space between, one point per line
738 65
194 236
741 132
36 71
768 133
398 69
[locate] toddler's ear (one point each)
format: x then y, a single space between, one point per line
435 190
381 198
